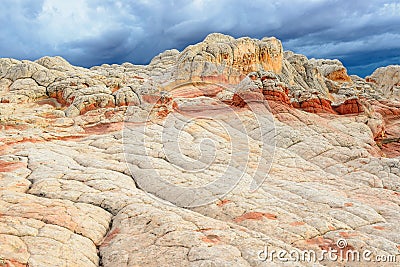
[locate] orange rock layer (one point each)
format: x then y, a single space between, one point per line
313 105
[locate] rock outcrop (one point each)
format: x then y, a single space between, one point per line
387 79
235 57
204 157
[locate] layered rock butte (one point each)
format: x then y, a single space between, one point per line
70 197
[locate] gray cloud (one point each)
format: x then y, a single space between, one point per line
363 34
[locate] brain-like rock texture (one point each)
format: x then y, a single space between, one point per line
237 57
204 157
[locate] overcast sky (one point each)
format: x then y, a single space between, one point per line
362 34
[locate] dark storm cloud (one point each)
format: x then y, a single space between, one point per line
114 44
363 34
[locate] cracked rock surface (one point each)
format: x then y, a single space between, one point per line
125 165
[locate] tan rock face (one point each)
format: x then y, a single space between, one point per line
332 69
204 157
387 79
238 57
339 76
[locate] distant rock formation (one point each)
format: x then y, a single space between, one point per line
314 85
386 79
238 57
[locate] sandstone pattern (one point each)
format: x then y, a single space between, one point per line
88 157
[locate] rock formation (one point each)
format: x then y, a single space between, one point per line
202 158
387 79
